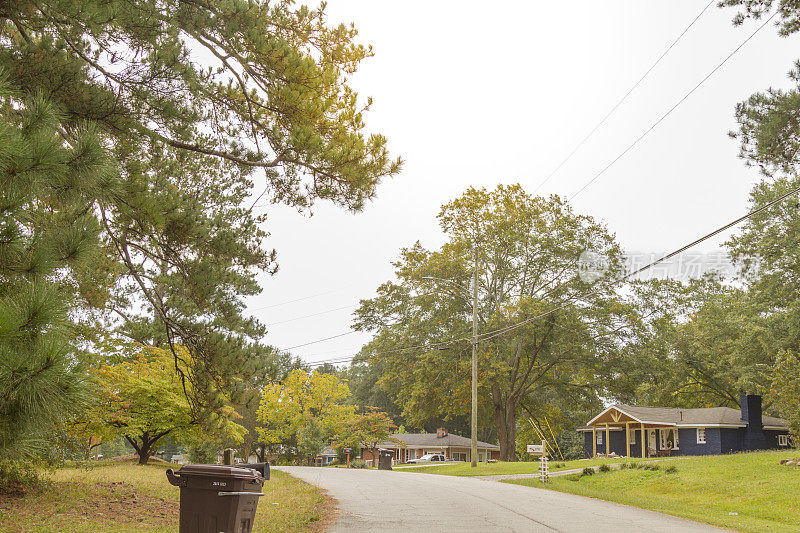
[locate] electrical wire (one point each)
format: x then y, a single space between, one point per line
295 300
670 110
622 100
311 315
494 333
319 340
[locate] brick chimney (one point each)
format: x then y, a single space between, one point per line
751 415
441 432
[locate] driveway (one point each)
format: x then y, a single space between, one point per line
375 500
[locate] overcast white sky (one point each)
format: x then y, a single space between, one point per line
484 93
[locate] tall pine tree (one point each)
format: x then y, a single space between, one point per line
51 264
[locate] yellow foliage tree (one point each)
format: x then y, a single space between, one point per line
304 411
143 399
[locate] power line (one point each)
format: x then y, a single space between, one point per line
682 249
311 315
713 233
622 100
319 340
491 334
431 345
671 109
295 300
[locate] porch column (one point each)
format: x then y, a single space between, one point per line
608 441
644 443
628 438
594 441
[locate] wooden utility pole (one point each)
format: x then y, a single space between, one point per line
474 446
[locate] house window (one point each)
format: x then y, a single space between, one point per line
599 438
669 438
701 435
632 434
783 440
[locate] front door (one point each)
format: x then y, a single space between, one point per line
651 439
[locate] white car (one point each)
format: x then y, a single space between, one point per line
429 458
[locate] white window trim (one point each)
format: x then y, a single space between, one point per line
699 440
599 437
783 440
632 436
662 438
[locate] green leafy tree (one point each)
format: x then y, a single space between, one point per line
368 430
51 263
143 400
529 255
303 412
698 344
785 391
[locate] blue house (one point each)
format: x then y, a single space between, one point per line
637 431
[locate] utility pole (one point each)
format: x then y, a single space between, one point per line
474 448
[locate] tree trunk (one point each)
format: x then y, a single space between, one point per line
144 455
261 454
505 420
144 449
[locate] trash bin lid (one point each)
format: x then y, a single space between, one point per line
218 471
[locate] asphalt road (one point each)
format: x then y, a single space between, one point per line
376 501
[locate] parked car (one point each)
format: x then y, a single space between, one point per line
428 458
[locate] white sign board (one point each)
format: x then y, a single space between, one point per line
535 448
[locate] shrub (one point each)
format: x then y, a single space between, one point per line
588 471
671 469
357 463
651 467
18 478
559 465
204 453
623 466
605 468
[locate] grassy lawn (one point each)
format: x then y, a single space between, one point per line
491 469
764 494
121 497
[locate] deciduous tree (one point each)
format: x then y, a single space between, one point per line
143 400
295 412
544 324
368 430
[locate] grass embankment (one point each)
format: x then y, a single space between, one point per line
123 497
764 495
499 468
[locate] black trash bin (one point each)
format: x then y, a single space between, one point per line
263 468
217 498
385 459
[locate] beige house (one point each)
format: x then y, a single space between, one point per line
415 445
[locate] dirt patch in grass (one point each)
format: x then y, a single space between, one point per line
83 507
131 457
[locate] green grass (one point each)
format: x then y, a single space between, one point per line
519 467
125 497
763 493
